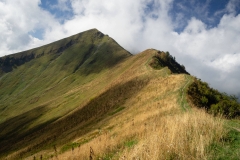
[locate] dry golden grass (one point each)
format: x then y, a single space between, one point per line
182 136
158 136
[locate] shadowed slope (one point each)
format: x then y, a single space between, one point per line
61 132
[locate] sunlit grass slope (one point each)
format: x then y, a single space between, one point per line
93 100
155 123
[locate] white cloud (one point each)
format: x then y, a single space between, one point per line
62 5
232 5
17 19
216 50
227 63
210 54
195 26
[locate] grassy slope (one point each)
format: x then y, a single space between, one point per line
121 112
42 80
54 84
72 102
151 124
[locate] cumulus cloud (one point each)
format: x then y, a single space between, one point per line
62 5
210 53
19 19
216 50
232 5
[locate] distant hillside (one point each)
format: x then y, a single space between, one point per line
86 97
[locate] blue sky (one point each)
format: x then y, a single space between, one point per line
204 35
208 11
60 11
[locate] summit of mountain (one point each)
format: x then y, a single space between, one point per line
88 51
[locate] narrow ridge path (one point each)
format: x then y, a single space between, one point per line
182 90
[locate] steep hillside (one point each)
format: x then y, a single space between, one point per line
87 49
37 91
47 73
85 97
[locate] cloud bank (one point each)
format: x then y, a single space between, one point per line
207 43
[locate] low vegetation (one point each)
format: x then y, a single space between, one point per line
228 147
212 100
165 59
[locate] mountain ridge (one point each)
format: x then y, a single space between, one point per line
37 73
9 62
87 92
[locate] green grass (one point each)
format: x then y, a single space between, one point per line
229 147
116 110
130 143
183 94
114 153
72 146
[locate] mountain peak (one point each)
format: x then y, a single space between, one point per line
82 45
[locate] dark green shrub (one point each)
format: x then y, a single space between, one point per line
212 100
162 59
